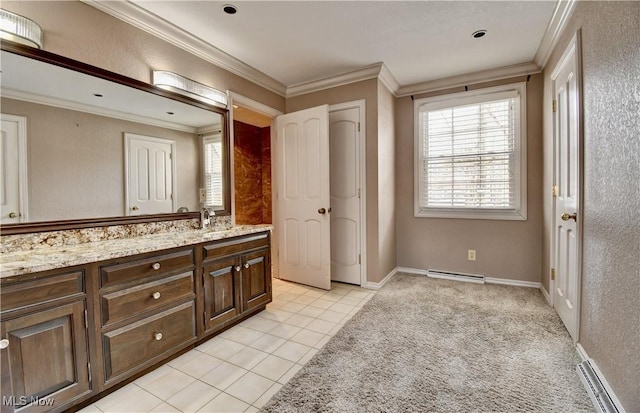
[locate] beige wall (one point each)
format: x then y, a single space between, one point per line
505 249
81 32
610 300
75 162
387 240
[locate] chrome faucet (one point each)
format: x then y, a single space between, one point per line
205 218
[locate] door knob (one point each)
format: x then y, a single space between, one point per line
156 295
247 265
134 208
13 215
322 211
566 216
4 343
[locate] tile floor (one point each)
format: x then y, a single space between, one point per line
240 369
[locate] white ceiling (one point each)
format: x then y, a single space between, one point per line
295 42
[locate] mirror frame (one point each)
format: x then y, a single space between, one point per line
67 63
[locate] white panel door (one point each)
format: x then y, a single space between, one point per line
567 178
302 187
13 191
150 175
344 141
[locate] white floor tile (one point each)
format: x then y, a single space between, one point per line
320 326
261 324
341 308
308 337
193 397
333 316
244 335
249 387
225 403
199 365
292 351
322 303
224 349
139 401
117 396
275 314
285 331
268 343
247 358
92 408
164 408
290 373
305 359
273 367
223 376
299 320
262 400
293 307
311 311
169 384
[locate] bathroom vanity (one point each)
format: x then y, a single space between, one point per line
75 325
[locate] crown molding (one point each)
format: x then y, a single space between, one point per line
150 23
364 73
561 15
489 75
94 110
387 79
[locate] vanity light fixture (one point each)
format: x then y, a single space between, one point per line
20 29
478 34
176 83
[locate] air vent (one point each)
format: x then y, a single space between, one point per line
457 276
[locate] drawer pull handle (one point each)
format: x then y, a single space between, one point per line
247 265
237 268
156 295
156 266
4 343
157 336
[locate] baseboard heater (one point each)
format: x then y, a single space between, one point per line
601 399
457 276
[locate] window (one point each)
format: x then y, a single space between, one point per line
212 148
470 154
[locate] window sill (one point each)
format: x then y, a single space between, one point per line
499 215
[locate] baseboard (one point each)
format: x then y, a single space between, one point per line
584 356
546 294
376 286
488 280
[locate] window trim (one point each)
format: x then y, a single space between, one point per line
519 213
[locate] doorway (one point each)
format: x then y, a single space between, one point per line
319 157
567 214
13 169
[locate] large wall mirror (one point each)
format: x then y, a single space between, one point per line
84 147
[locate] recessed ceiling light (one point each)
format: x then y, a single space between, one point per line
170 113
478 34
98 95
230 9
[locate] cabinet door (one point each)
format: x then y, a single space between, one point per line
221 291
256 276
45 362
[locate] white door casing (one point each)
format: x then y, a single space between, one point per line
13 170
301 153
567 177
149 175
344 142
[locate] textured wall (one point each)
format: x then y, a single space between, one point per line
610 307
252 179
505 249
610 317
75 162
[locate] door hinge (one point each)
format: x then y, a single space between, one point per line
554 190
89 370
359 193
86 320
358 126
359 258
553 274
554 105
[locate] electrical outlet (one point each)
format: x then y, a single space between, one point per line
202 193
471 255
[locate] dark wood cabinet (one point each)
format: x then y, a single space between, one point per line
236 278
70 334
44 341
147 312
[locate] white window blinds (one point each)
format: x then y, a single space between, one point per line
469 155
213 170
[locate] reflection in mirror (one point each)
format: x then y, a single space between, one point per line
213 162
68 153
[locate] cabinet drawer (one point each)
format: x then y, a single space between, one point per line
134 270
235 245
132 301
41 290
130 347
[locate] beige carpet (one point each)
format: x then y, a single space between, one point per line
431 345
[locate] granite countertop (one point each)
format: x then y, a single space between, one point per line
48 258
